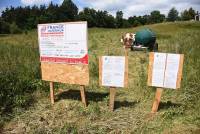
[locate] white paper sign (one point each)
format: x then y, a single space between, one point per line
171 72
158 69
113 69
165 70
63 42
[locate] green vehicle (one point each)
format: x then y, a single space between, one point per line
145 39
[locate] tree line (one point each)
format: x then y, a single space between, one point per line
19 19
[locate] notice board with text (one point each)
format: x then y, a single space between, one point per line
64 52
165 70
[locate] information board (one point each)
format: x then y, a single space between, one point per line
165 70
63 52
63 43
113 71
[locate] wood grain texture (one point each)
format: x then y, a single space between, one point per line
150 68
51 92
65 73
180 70
126 72
83 98
112 98
157 100
126 51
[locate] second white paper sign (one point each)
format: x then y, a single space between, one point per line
113 69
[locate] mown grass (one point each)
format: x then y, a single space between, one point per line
28 109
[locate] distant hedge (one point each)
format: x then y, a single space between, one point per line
17 19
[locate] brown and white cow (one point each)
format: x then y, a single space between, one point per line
127 40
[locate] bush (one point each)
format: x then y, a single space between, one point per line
4 27
14 92
19 77
126 24
136 23
14 29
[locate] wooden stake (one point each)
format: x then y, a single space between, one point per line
126 51
112 98
82 90
157 100
51 93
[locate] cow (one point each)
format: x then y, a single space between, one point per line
127 40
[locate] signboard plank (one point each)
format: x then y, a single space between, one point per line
64 73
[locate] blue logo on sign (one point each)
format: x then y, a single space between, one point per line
56 28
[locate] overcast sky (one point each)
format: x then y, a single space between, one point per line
129 7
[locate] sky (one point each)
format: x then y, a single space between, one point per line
129 7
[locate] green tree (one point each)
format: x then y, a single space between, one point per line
188 14
192 13
110 21
156 17
88 15
52 12
68 11
140 20
119 19
97 18
172 15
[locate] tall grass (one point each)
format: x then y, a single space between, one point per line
19 76
179 109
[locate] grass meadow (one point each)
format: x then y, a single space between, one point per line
24 98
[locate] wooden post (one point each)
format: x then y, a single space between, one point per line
112 98
157 100
126 51
82 90
51 92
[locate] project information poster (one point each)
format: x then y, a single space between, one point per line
165 70
63 42
113 70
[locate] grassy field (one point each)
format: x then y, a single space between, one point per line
24 98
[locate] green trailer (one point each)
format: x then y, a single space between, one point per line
145 39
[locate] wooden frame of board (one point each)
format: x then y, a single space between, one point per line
150 70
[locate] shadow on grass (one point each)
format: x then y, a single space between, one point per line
119 104
91 96
168 104
75 95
